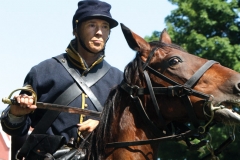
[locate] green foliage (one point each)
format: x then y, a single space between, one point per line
154 37
218 134
209 29
170 150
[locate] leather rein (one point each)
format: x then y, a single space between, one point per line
175 90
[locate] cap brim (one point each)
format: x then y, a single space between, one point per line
112 22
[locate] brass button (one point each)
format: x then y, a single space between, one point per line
85 105
86 96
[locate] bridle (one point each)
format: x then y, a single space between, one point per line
175 90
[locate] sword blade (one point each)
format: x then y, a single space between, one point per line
69 109
57 107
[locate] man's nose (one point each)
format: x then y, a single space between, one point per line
99 31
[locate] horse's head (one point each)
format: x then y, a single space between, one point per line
213 90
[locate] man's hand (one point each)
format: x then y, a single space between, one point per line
87 126
25 105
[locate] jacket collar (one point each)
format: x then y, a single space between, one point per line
77 60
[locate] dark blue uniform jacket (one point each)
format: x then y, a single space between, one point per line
49 79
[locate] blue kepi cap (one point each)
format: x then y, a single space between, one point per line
90 9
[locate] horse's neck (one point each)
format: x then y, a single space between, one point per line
130 128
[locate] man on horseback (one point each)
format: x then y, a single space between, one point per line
53 81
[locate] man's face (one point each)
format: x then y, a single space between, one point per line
94 33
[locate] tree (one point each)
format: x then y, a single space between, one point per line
154 37
209 29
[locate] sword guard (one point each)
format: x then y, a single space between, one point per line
25 88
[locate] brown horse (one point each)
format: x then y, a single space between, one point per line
163 85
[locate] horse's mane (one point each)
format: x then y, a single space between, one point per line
132 75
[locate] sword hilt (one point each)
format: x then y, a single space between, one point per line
25 88
9 101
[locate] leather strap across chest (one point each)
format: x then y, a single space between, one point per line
85 82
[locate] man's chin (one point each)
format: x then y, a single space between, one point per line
97 50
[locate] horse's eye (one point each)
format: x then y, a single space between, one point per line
174 61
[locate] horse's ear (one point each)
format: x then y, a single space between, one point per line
134 41
165 38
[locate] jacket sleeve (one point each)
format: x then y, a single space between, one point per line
18 128
12 128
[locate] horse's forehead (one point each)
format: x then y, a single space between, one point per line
167 52
164 54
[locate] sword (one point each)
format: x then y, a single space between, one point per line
57 107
